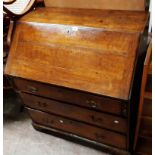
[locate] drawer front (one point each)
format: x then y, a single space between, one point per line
81 114
72 96
78 128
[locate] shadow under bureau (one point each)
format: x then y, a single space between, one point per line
74 69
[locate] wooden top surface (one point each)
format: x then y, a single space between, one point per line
79 57
98 4
131 21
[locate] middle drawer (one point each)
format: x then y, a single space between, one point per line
77 113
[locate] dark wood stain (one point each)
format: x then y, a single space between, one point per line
91 101
95 118
74 69
78 128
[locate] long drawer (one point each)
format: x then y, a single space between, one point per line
71 111
78 128
72 96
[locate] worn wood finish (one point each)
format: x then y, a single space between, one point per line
81 63
98 4
106 58
81 129
83 99
77 113
110 20
80 140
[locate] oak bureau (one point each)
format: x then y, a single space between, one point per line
74 69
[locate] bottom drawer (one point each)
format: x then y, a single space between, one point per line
78 128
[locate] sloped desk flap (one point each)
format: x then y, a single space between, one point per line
92 51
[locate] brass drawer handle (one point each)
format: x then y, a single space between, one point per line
32 89
124 111
92 103
99 136
42 104
48 121
96 119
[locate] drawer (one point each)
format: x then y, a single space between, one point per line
81 114
78 128
72 96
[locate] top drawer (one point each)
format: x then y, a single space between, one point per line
72 96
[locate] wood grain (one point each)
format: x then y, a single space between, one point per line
98 4
71 96
81 63
78 128
78 57
112 20
99 119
